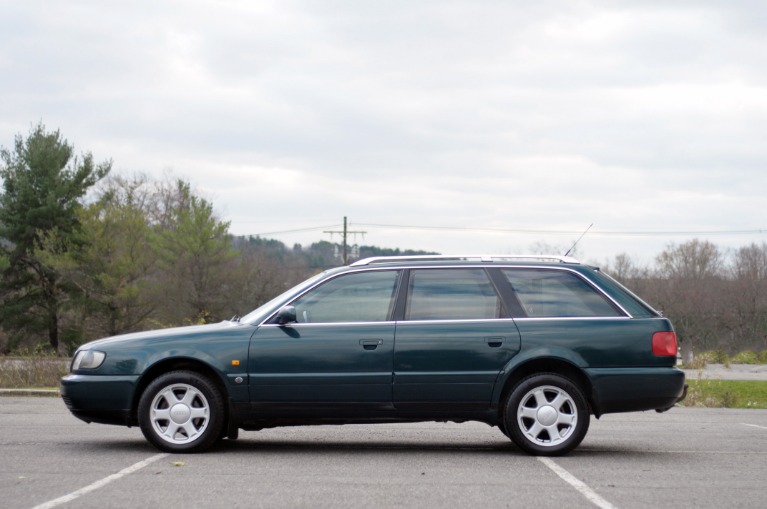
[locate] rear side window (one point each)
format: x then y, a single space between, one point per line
557 293
451 294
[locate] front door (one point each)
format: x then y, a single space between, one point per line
339 352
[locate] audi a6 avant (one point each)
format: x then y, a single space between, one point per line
532 345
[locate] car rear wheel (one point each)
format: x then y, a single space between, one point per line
181 411
546 415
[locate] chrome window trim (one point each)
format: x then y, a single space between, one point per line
570 318
457 320
296 325
377 268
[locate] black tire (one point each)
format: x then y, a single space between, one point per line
546 415
502 427
181 411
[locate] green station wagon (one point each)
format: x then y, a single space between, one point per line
533 345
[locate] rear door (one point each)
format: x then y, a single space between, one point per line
453 341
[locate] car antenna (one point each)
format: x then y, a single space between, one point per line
579 239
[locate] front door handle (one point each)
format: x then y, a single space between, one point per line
370 344
494 342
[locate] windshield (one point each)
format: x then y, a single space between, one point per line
259 314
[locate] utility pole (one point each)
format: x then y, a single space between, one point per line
344 235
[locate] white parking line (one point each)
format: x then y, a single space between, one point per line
754 425
576 483
100 483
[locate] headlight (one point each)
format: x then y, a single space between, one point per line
88 359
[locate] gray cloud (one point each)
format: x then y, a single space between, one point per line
638 116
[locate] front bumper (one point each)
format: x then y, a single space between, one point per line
102 399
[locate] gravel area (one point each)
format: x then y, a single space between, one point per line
731 372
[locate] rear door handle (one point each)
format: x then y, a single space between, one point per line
370 344
494 342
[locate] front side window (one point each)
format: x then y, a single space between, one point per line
451 294
556 293
357 297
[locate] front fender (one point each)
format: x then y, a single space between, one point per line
186 354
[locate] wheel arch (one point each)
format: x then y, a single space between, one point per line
179 364
548 365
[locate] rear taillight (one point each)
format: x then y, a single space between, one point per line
664 344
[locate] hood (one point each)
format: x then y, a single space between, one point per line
191 330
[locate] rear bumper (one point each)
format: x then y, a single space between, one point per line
102 399
636 389
681 398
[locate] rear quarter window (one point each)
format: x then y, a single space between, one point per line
631 302
558 293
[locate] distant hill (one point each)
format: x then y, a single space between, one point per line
318 255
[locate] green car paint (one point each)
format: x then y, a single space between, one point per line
447 339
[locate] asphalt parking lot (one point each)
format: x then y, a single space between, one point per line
684 458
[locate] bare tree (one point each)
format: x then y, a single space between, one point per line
748 296
690 284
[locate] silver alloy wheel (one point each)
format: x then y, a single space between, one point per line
547 415
179 413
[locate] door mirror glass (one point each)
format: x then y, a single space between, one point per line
286 314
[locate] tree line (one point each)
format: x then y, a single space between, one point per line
86 254
716 298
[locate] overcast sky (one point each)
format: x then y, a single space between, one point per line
498 124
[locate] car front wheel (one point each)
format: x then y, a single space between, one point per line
546 415
181 411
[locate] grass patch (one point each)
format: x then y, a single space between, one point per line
32 372
726 394
702 359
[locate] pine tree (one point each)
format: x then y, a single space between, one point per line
43 185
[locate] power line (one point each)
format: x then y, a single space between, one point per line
521 230
297 230
567 232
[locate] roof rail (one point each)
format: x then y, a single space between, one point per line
481 258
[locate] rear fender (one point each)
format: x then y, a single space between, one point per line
563 361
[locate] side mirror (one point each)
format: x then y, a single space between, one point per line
287 315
